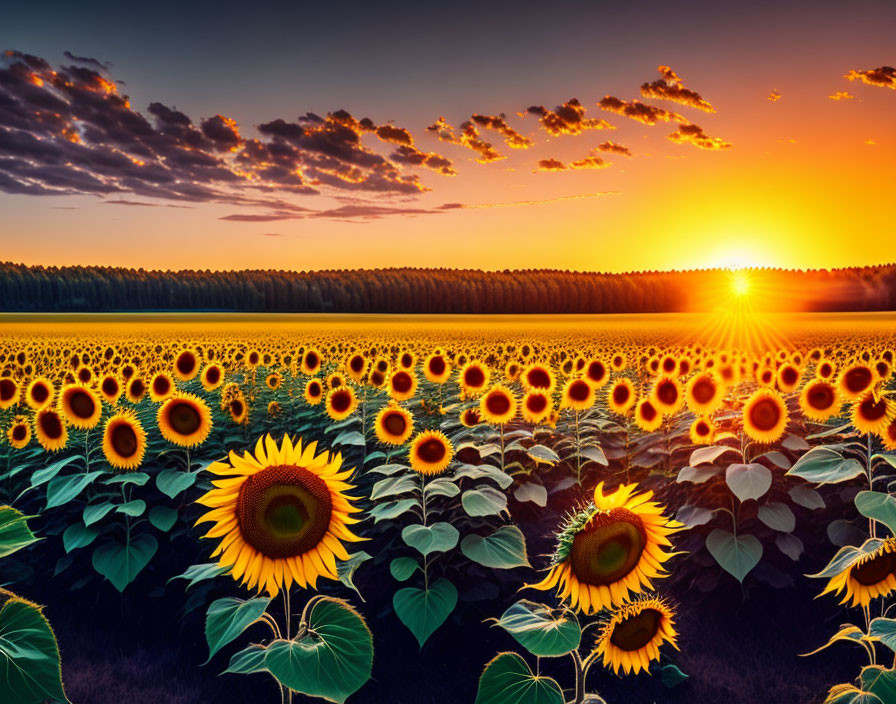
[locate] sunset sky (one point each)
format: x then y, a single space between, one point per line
233 135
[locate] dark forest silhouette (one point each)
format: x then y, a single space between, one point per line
413 290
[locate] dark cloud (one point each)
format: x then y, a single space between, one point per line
636 110
884 77
86 60
694 134
568 118
592 161
69 130
614 148
498 123
551 165
467 136
670 87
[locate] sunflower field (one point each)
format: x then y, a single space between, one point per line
465 515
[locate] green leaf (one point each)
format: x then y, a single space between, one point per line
392 509
14 531
403 567
442 486
78 536
884 629
708 455
540 453
880 682
61 490
777 516
228 617
532 491
878 506
345 569
671 676
748 481
94 513
806 497
737 554
136 478
484 501
332 660
439 537
424 610
540 629
692 515
392 486
351 437
847 556
199 573
29 656
120 563
507 679
847 633
44 475
163 517
822 465
172 482
503 549
484 471
132 508
248 661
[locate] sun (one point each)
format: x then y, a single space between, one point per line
740 283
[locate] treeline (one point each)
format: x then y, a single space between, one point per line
411 290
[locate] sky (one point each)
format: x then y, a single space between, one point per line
568 135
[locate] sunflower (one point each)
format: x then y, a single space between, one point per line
282 515
136 390
765 416
871 576
538 376
631 637
185 420
668 395
9 393
84 374
888 436
253 359
393 425
819 400
578 394
609 549
498 405
621 396
470 417
407 360
765 376
788 377
110 389
872 413
703 393
239 409
825 369
618 361
356 365
275 410
596 372
80 406
273 381
430 452
49 426
473 379
341 403
212 376
161 386
647 415
186 365
19 432
311 362
314 392
436 368
39 393
124 441
537 405
512 371
702 431
402 385
855 380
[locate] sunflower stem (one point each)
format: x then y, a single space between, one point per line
578 452
501 427
288 612
871 522
579 696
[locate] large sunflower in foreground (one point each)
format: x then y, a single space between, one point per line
609 549
871 576
631 638
281 513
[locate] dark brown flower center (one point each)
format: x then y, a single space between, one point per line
608 547
402 382
597 371
636 631
872 410
394 423
7 389
184 418
186 363
284 511
765 414
857 379
437 366
703 390
432 450
667 392
579 391
213 375
51 425
81 404
498 403
648 412
40 392
621 394
109 386
123 440
789 375
356 364
875 570
19 432
474 377
538 378
340 400
536 403
820 396
161 385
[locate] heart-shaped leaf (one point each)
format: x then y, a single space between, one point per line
748 481
78 535
228 617
708 455
503 549
438 537
507 679
881 507
120 563
484 501
93 513
777 516
61 490
163 517
822 465
331 658
172 482
424 610
532 491
540 629
737 554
